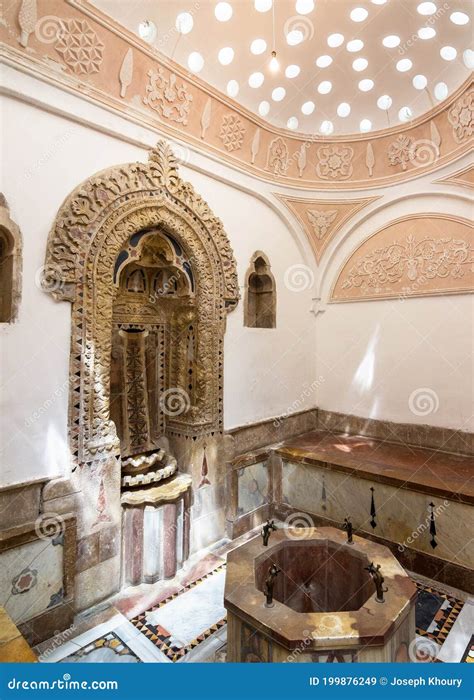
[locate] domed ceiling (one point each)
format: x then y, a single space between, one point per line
341 66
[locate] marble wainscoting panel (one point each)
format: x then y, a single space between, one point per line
31 578
207 516
20 504
402 516
257 435
97 583
253 488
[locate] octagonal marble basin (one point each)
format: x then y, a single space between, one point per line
325 606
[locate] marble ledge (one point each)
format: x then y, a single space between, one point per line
438 474
164 493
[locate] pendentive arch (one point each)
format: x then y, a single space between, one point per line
93 225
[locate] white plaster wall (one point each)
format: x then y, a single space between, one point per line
405 360
48 156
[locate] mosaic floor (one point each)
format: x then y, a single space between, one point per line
189 625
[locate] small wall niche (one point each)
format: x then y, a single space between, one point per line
260 293
10 265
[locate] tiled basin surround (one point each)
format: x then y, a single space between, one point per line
402 515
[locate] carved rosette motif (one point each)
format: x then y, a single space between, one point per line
93 225
461 117
335 162
401 151
80 47
167 96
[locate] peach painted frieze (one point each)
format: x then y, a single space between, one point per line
418 255
321 219
73 45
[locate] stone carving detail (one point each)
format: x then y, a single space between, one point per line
126 72
278 157
321 221
402 260
168 97
232 132
206 118
370 159
461 117
91 228
79 45
255 146
10 265
27 17
402 151
301 159
335 162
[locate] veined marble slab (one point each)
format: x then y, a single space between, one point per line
459 635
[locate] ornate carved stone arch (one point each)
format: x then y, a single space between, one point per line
92 226
10 265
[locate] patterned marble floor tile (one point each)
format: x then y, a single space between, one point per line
436 613
109 648
456 646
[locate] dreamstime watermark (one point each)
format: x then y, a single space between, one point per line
174 402
412 289
296 526
423 401
50 153
298 29
423 152
49 526
422 527
423 650
411 41
46 405
300 401
298 278
55 642
49 279
64 683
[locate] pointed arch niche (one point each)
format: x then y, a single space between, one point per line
149 271
10 265
260 293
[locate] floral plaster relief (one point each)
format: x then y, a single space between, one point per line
92 52
414 256
321 219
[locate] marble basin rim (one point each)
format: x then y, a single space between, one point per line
371 624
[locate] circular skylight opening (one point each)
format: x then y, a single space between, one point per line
326 127
184 22
258 46
226 56
304 7
232 88
359 14
391 41
323 61
263 5
384 102
256 80
403 65
325 87
468 58
195 62
354 45
223 11
343 110
426 8
294 37
278 94
292 71
405 114
441 91
420 82
426 32
459 18
264 108
449 53
335 40
360 64
292 123
378 2
147 31
365 125
366 85
308 108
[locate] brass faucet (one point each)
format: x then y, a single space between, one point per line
348 527
273 572
266 531
378 579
